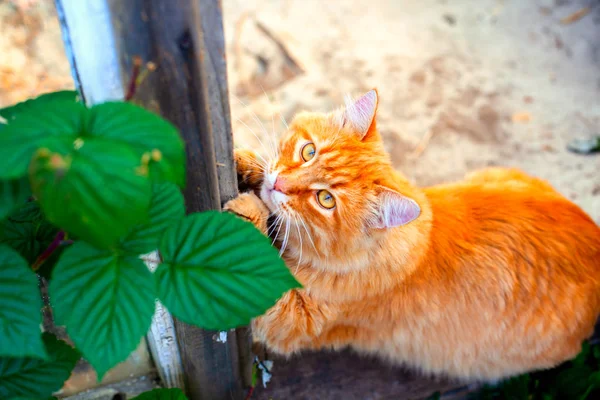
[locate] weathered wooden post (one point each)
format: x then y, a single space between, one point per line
184 40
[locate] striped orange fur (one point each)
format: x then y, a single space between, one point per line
478 280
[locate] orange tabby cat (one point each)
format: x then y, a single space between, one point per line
479 280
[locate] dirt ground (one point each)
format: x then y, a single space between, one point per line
463 84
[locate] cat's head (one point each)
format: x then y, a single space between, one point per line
333 178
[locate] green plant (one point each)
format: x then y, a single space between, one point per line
578 379
84 193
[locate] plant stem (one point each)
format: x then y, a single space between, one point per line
137 65
250 393
55 244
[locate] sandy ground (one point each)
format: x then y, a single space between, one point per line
488 82
463 84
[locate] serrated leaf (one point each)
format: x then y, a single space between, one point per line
36 378
166 208
573 382
144 132
162 394
42 124
93 190
20 313
11 112
105 300
27 231
13 193
219 271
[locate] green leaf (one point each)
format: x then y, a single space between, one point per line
573 382
105 300
13 193
145 133
596 352
583 354
20 313
30 105
44 124
162 394
36 378
517 387
93 190
166 208
27 231
219 271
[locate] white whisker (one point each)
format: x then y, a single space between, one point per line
257 120
257 138
308 234
284 121
278 229
300 237
286 236
272 228
257 163
273 135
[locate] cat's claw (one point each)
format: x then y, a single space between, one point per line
251 208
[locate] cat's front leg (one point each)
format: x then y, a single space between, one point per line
294 323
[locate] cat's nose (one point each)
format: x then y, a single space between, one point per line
280 185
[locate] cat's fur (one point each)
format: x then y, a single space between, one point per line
478 280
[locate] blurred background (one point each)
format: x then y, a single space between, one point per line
463 84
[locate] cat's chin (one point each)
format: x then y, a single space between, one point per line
267 198
272 198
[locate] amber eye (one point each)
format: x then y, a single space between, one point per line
308 151
325 199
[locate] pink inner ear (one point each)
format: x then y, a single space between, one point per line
395 210
361 112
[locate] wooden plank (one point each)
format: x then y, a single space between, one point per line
212 69
189 88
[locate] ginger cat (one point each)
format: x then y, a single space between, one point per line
478 280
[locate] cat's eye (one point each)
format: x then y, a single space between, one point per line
325 199
308 151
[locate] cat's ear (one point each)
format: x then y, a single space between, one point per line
360 113
393 209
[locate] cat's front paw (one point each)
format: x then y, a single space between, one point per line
292 324
251 208
249 169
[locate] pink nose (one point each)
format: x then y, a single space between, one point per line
280 185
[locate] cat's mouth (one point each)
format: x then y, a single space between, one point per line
272 198
269 194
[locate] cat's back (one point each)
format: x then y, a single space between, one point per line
514 214
517 226
518 266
